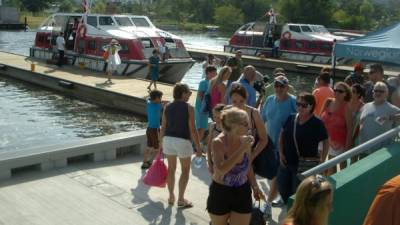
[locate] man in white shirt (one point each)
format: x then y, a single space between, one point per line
60 42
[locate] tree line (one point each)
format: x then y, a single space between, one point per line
229 14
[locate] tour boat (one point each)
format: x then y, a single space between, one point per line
298 42
137 36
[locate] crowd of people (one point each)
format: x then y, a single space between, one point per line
315 126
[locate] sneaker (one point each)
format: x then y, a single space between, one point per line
267 211
277 203
145 165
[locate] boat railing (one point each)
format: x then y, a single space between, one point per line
356 151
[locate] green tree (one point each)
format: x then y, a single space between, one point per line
228 17
66 6
306 11
99 6
366 11
36 6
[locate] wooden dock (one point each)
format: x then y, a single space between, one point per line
102 193
261 64
126 93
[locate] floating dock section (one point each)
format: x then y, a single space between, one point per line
126 93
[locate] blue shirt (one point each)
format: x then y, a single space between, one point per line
203 87
251 92
153 114
275 113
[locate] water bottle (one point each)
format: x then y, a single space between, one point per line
197 162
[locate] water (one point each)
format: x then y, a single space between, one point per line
32 116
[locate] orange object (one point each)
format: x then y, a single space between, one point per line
106 54
385 209
321 94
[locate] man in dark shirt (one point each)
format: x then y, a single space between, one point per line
375 74
355 77
236 64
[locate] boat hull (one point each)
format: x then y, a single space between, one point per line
171 71
285 55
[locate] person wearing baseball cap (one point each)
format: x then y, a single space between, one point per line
355 77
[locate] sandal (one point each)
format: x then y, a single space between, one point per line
185 204
171 201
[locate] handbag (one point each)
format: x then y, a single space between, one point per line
257 216
106 54
156 175
266 163
205 104
305 163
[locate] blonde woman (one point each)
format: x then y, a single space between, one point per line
233 182
217 87
113 58
312 204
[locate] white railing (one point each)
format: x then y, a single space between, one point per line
391 134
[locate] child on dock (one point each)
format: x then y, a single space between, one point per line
153 126
112 58
154 61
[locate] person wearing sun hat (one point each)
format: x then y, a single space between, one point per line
355 77
113 58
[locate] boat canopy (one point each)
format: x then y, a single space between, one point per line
381 46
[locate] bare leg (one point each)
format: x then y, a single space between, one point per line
219 220
146 153
171 176
239 218
183 180
201 132
148 87
155 85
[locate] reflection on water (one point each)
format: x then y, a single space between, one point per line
33 116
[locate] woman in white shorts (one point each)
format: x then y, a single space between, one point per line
177 131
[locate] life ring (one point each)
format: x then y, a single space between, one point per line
82 30
287 35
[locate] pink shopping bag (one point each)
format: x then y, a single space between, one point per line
156 175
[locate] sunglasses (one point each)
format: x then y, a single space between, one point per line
378 91
302 104
279 85
339 91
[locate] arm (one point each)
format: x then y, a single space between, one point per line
257 193
281 154
163 124
325 148
261 132
222 89
209 150
349 127
222 165
193 131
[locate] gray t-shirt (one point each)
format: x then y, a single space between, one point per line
372 122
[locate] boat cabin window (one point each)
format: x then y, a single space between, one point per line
294 28
169 42
60 21
325 47
124 48
306 29
312 45
147 43
319 29
81 46
92 45
299 44
106 21
123 21
245 27
140 22
92 20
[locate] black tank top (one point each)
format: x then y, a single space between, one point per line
177 114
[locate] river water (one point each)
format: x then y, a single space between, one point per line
30 115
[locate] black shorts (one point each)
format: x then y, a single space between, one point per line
223 199
152 137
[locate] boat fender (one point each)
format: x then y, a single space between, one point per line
287 35
65 84
82 30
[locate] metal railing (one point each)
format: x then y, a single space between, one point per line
352 152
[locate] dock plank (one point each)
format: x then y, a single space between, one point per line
67 196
